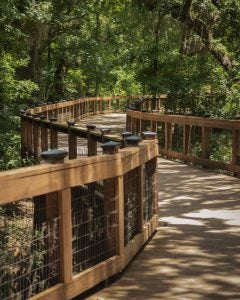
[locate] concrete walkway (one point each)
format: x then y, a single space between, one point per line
195 253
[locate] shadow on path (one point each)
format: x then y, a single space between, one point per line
195 253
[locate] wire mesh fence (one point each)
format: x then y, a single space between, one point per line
94 224
150 189
29 247
131 205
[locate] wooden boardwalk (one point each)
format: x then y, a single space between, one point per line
195 253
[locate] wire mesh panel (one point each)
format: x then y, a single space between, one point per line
94 224
131 205
150 189
29 247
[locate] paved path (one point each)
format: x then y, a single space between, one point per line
195 253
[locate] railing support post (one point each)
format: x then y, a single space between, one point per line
29 138
53 137
206 142
65 235
24 125
168 136
35 139
44 138
186 138
119 187
72 145
236 149
91 141
140 197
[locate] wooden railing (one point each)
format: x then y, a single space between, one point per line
41 125
67 227
191 138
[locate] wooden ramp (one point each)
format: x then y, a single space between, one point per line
195 253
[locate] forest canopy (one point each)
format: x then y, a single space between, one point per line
56 49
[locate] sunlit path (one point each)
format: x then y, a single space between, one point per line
195 253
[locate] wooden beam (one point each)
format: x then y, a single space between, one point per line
48 178
65 235
120 217
206 142
72 145
236 147
53 137
44 137
140 185
168 136
186 138
36 132
183 120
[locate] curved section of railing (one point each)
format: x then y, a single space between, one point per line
214 143
67 227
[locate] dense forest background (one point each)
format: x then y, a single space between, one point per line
61 49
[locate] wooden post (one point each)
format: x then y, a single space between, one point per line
140 197
109 207
206 142
236 147
156 186
92 143
29 137
53 137
44 138
65 235
186 138
23 125
35 139
128 123
117 105
51 209
168 136
72 145
120 216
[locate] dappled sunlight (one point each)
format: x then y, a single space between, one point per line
195 253
231 217
174 220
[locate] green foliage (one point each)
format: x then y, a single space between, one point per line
50 50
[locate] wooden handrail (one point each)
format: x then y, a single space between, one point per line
136 122
57 183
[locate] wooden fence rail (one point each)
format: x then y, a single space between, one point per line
184 131
66 227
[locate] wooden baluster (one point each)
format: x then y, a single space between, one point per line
29 137
120 217
109 207
206 131
44 138
92 142
24 147
65 235
140 185
128 123
236 149
35 139
168 136
118 105
53 137
72 145
186 138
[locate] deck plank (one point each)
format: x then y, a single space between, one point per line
195 253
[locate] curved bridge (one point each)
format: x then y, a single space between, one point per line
82 221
